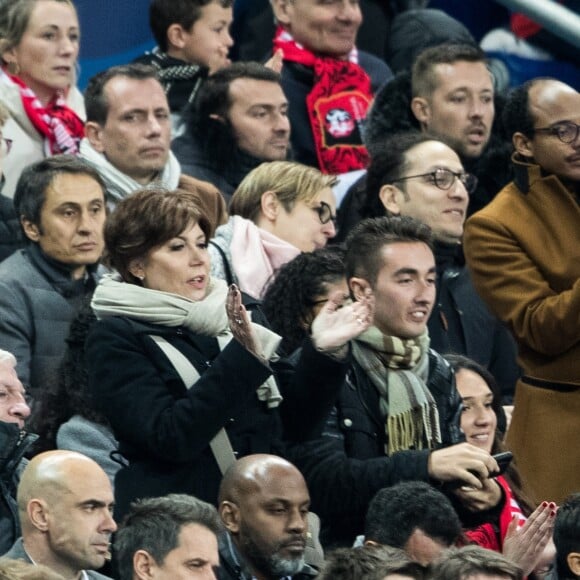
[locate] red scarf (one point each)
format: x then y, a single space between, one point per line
337 105
59 124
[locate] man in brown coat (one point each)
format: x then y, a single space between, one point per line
523 250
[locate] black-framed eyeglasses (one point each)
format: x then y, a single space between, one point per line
324 212
566 131
444 178
6 145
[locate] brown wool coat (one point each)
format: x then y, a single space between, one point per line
523 250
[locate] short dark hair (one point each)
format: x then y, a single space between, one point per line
369 563
366 240
35 180
516 115
145 220
423 77
164 13
396 512
461 563
289 298
96 104
567 533
154 525
214 98
388 163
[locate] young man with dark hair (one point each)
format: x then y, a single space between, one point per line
60 202
396 417
414 517
174 536
239 120
193 40
523 251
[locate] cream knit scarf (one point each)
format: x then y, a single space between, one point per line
119 184
206 317
399 369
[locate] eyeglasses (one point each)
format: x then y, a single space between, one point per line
445 178
324 212
567 131
5 145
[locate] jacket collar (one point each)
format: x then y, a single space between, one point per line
59 274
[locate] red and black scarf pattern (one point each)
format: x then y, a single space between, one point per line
337 105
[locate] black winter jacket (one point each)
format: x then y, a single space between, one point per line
11 237
347 466
13 445
164 429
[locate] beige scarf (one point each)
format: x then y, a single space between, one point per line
399 368
206 317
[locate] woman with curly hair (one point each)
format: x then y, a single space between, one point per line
299 289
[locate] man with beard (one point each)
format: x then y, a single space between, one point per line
264 503
238 121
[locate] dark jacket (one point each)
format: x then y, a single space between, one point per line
38 300
17 552
13 445
199 162
164 429
297 82
461 323
11 237
347 466
233 567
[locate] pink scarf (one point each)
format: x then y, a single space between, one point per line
256 255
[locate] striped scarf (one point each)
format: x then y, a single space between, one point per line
399 369
56 122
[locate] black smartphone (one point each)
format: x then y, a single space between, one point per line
503 460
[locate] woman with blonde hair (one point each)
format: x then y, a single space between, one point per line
280 209
39 47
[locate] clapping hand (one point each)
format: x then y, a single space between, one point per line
338 323
239 320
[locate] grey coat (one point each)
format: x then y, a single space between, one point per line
38 301
17 552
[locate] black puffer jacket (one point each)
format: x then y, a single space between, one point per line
13 445
347 466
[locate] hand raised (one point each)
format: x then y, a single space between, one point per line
338 323
239 320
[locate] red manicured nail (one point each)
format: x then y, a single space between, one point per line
544 504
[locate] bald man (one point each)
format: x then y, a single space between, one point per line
65 502
523 250
264 503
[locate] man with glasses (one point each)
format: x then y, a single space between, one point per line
419 176
523 250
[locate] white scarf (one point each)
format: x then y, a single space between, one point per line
206 317
119 184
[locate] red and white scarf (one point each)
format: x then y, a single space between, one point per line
56 122
337 105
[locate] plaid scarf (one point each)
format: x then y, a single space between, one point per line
399 369
58 124
337 105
